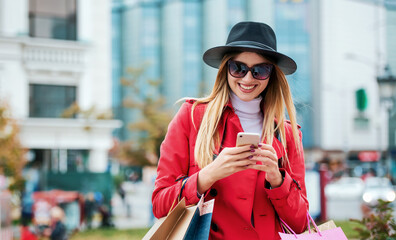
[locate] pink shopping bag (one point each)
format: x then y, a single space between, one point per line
333 233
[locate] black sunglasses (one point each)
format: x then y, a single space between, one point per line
260 71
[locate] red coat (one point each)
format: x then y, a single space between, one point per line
237 197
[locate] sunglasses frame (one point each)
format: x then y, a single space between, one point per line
250 69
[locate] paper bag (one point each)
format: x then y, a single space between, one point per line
184 222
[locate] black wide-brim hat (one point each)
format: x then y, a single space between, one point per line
251 37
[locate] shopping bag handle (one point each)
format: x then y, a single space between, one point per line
309 218
183 184
184 181
313 222
287 226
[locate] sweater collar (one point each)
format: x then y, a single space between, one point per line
251 107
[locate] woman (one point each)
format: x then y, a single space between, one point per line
252 187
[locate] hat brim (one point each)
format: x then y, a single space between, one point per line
213 56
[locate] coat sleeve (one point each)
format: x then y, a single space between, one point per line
173 165
290 199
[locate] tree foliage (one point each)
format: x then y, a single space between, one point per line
89 114
379 224
12 154
151 121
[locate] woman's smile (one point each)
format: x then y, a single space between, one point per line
246 88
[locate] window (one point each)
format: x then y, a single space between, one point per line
53 19
49 101
60 160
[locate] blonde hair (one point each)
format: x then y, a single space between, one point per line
276 97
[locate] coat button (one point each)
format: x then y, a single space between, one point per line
213 192
214 227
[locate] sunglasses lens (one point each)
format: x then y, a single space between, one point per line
237 69
262 71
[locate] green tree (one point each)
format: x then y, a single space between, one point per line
12 154
152 119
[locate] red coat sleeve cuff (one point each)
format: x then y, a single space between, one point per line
278 196
190 190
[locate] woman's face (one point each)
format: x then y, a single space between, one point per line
247 88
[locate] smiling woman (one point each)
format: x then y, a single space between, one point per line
253 186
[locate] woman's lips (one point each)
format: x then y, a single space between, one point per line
246 88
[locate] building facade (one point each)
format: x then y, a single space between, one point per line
351 47
54 53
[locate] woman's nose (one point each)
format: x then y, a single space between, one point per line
248 77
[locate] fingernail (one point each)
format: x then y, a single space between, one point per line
252 150
252 146
260 145
250 157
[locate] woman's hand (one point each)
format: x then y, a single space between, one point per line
267 160
229 161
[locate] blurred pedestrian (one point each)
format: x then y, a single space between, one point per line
57 229
125 200
106 216
253 186
27 233
89 209
336 169
370 173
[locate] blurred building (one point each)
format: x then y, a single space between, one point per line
351 45
54 53
391 62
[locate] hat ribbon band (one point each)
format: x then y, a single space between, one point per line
256 44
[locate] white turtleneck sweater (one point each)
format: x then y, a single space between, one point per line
249 113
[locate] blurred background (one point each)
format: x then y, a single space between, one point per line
88 87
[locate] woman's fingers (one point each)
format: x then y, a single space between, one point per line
232 160
235 159
237 150
267 147
264 160
231 154
259 167
268 151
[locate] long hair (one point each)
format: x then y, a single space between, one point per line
276 97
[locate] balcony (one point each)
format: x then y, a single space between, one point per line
56 56
61 133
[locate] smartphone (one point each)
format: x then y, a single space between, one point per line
244 138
